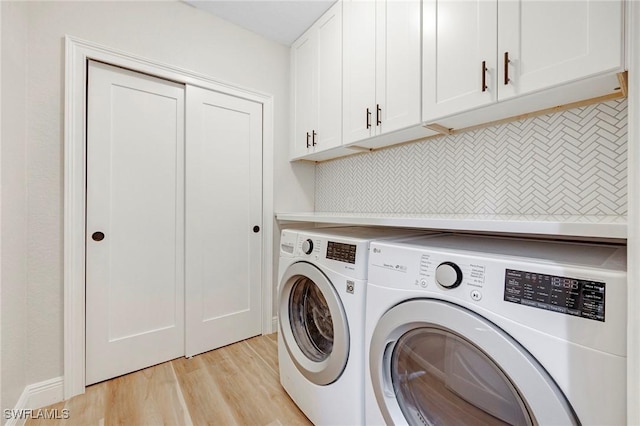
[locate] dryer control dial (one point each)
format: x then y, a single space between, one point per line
448 275
307 246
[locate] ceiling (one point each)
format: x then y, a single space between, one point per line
282 21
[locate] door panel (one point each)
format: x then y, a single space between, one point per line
359 69
224 203
329 81
399 72
553 42
458 37
304 87
135 169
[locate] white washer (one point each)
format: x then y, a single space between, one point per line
483 330
321 298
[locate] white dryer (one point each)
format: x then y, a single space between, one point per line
486 330
321 302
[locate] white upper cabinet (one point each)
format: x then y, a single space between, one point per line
373 73
359 89
549 43
316 63
303 65
459 59
478 52
398 69
382 67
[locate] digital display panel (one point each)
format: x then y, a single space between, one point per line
569 296
341 252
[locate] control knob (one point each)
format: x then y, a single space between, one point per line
448 275
307 246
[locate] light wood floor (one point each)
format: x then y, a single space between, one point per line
235 385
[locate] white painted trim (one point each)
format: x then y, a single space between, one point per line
1 124
268 217
274 324
633 188
77 52
37 395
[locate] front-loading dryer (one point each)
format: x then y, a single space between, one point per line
321 301
484 330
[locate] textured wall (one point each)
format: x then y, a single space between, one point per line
13 183
573 162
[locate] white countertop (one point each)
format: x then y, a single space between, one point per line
561 225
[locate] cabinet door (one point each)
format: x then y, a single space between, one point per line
329 82
554 42
398 70
359 70
458 37
303 65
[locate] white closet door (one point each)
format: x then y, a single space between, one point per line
135 222
223 205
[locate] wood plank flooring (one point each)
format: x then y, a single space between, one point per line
235 385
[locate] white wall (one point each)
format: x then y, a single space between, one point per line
13 184
169 32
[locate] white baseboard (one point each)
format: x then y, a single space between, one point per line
34 396
274 325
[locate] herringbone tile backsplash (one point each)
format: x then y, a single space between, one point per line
568 163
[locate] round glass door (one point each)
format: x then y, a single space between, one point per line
440 378
313 323
432 362
310 320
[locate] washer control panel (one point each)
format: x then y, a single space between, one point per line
341 252
465 277
446 273
570 296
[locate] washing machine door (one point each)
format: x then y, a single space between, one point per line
313 323
437 363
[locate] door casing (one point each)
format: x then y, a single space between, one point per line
77 53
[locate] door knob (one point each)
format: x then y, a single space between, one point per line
256 229
97 236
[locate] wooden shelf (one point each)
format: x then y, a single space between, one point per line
568 226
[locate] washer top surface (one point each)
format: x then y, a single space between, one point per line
360 233
571 253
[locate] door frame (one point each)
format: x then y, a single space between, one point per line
77 53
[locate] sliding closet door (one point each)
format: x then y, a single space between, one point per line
223 219
135 222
